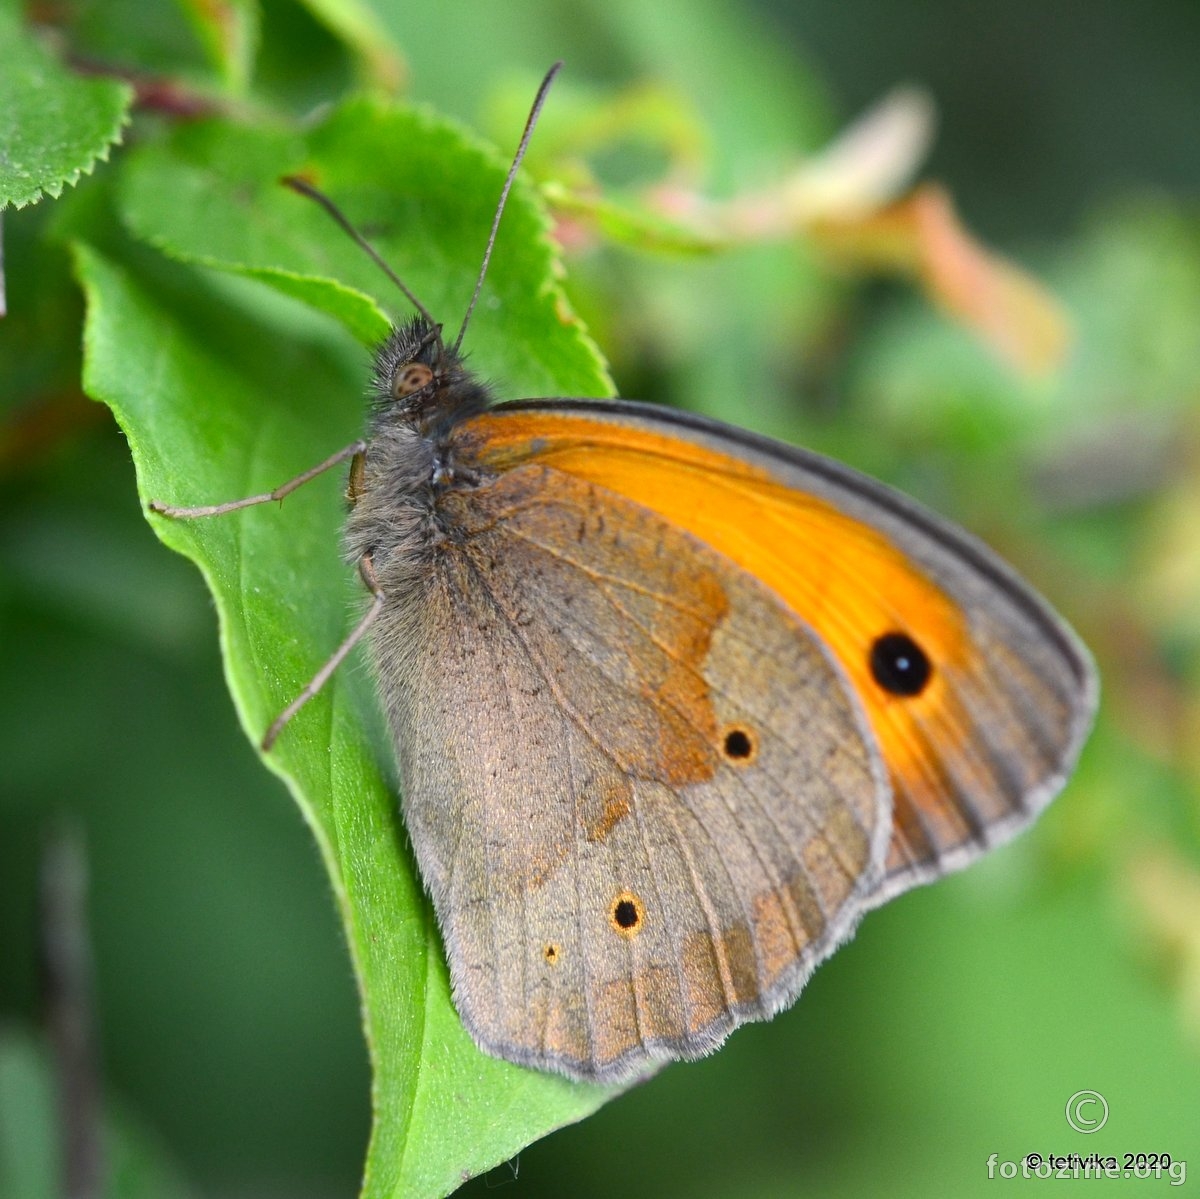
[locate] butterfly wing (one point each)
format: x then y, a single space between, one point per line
640 791
982 734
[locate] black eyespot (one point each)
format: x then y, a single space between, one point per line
550 953
900 665
739 745
626 914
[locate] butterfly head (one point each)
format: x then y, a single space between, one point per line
419 380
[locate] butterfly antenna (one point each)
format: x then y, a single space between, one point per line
306 189
530 122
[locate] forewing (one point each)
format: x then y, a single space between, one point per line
991 738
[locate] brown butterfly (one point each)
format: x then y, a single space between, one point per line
673 704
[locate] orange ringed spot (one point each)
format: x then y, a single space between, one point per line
626 914
739 745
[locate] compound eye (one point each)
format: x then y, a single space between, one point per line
410 378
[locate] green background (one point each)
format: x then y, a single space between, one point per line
962 1017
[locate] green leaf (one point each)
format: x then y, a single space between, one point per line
212 195
30 1135
424 191
357 25
224 389
53 125
229 31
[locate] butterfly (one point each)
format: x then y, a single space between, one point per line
673 705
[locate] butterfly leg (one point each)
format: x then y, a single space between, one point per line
367 570
284 489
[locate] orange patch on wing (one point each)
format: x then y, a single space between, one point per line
787 920
672 735
686 729
561 1025
847 581
615 1020
632 1011
719 973
603 810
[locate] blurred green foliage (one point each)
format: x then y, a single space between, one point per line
963 1016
